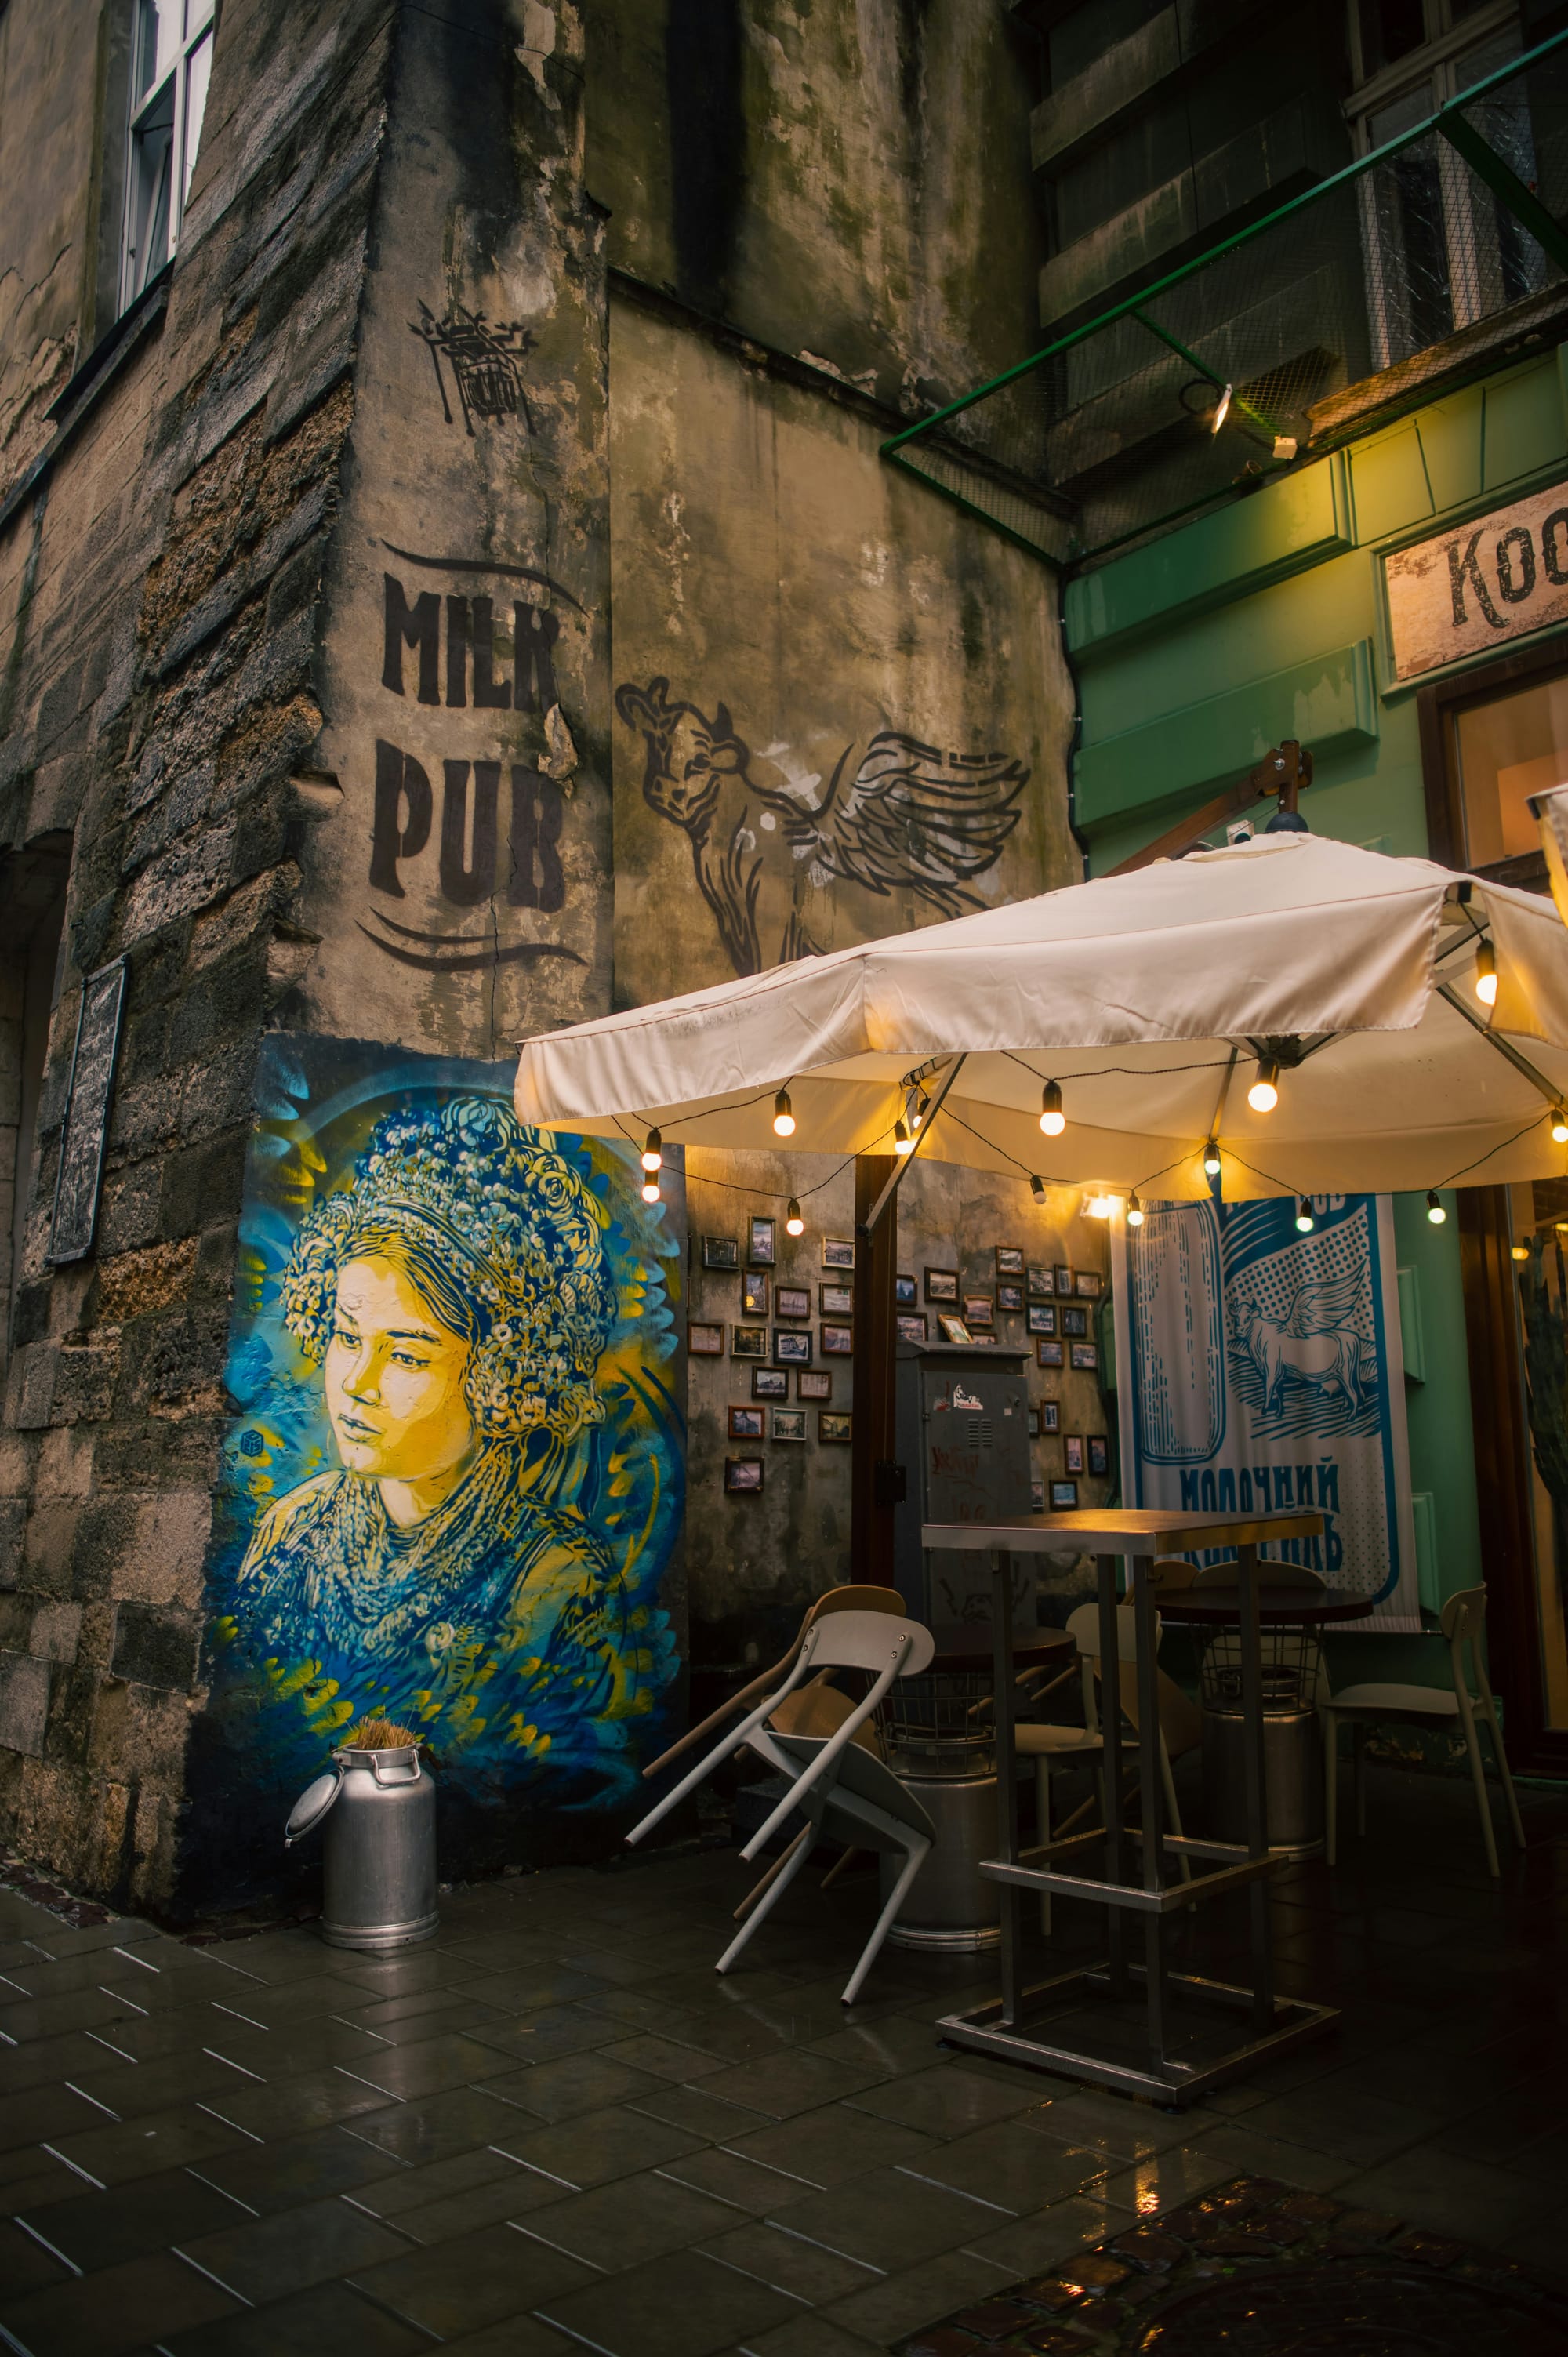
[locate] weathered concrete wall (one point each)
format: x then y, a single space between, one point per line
841 708
457 869
847 182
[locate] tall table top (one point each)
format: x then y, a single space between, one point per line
970 1644
1121 1530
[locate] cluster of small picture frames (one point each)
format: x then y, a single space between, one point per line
790 1347
1051 1298
762 1248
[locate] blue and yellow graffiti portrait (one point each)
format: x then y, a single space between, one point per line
453 1488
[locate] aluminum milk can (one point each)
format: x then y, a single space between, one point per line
380 1808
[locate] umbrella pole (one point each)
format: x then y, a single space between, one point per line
872 1446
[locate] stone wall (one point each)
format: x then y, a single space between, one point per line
158 587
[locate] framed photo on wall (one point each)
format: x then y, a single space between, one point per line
836 1301
1042 1282
1033 1422
1036 1497
1042 1318
1099 1453
1050 1414
789 1423
979 1309
743 1476
1050 1354
813 1384
704 1341
1010 1296
1088 1283
833 1428
790 1347
755 1288
838 1251
1075 1321
792 1301
1073 1452
1064 1497
759 1249
748 1341
953 1329
746 1423
1009 1260
1086 1356
911 1325
1064 1278
941 1285
769 1383
721 1252
838 1341
905 1291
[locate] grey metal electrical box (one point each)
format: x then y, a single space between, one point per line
963 1441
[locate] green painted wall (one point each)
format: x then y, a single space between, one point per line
1195 653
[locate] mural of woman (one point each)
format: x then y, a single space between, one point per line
449 1542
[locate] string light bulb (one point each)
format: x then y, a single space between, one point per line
1135 1212
1560 1126
902 1141
653 1151
1211 1159
783 1119
794 1225
1304 1219
1521 1252
1264 1094
1486 975
919 1104
651 1188
1038 1188
1435 1210
1053 1121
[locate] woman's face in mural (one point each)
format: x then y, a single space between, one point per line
393 1379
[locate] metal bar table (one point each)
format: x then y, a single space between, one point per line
1137 2026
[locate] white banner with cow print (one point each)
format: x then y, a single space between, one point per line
1263 1371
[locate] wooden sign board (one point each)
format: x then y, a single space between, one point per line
1490 580
87 1114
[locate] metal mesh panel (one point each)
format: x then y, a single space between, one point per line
1226 370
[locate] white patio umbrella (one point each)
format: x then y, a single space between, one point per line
1156 1002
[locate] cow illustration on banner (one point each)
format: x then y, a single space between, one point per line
1265 1373
452 1490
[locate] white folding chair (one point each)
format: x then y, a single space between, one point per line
840 1787
1463 1623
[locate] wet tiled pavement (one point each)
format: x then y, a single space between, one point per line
553 2128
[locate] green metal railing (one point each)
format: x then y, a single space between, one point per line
1230 368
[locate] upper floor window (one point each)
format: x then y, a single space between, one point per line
1442 248
170 68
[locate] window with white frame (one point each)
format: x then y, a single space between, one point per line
1442 248
171 68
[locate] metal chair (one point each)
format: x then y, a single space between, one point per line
1463 1623
842 1788
1050 1746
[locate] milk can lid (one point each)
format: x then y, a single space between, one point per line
311 1806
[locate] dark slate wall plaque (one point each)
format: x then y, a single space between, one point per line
87 1114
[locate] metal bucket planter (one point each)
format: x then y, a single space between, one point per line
380 1837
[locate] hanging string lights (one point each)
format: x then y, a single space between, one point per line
902 1141
1210 1159
1134 1212
783 1118
1304 1219
1038 1188
794 1225
1264 1094
1435 1210
1560 1126
1486 975
1053 1121
652 1163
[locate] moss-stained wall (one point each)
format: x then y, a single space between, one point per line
848 182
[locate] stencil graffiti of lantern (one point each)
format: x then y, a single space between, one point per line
484 361
909 817
456 1483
